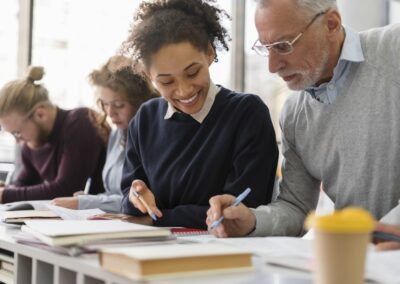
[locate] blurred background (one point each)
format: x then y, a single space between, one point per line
72 37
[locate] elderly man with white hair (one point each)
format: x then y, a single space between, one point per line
341 130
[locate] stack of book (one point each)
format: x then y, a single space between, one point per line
6 266
19 217
174 260
79 232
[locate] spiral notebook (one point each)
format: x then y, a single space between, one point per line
180 231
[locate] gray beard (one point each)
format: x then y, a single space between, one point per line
310 78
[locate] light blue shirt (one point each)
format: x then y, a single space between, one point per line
351 53
109 201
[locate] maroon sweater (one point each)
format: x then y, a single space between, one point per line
74 151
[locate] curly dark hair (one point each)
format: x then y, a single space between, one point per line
161 22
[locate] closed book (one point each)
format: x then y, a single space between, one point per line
7 266
174 260
78 232
6 277
19 217
6 255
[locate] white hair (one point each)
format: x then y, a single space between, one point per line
310 7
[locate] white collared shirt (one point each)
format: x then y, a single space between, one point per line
202 114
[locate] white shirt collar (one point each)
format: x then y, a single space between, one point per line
202 114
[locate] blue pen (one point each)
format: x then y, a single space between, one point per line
237 201
386 236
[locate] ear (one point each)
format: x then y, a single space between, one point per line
210 54
40 113
333 23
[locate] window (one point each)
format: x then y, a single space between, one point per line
394 14
9 10
220 70
71 38
9 40
270 87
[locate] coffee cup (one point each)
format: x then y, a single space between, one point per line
340 245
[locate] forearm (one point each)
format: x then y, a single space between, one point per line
37 192
191 216
278 219
107 203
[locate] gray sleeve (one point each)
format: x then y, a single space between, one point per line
393 217
298 190
107 203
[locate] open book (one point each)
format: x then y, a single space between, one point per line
78 232
172 260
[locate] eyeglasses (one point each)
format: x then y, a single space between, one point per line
281 47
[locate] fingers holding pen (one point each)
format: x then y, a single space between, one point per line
218 207
142 198
237 220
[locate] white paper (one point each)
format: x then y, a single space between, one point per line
80 227
383 267
71 214
268 246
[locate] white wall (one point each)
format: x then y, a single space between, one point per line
362 14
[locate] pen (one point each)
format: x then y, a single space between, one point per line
386 236
149 211
87 186
237 201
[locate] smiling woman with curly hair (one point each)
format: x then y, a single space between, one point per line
204 139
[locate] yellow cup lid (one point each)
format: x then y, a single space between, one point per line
349 220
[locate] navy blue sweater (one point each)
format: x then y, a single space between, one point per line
184 163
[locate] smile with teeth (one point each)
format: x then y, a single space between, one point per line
190 100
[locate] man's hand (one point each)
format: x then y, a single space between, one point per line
144 220
238 221
66 202
387 245
141 188
79 193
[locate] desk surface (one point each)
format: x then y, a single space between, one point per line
34 265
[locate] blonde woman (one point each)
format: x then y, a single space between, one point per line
120 93
61 148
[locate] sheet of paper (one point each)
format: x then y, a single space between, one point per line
297 253
383 267
55 228
265 247
70 214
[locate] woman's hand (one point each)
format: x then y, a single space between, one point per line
145 194
66 202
